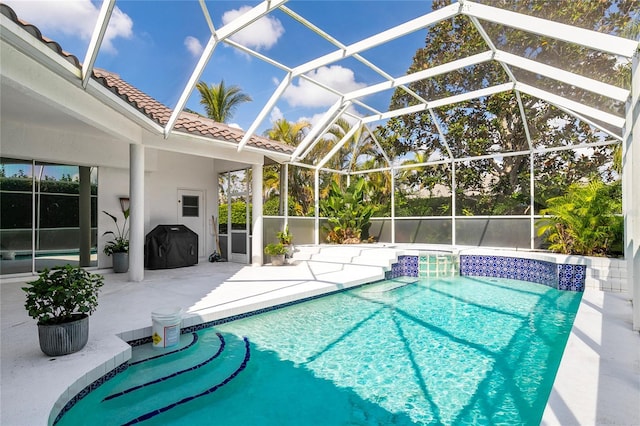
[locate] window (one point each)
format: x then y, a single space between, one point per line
190 206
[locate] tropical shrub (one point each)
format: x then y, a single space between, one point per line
585 220
58 294
348 211
120 242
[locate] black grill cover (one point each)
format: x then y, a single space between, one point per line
170 246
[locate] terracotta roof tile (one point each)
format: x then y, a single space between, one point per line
156 111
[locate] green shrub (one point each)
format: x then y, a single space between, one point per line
585 220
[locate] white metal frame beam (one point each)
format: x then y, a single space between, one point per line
595 86
380 38
326 118
96 40
352 131
420 75
583 37
441 102
572 105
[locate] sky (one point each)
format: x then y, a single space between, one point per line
155 45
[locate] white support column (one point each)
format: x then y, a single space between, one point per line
532 199
316 196
136 213
256 218
453 203
393 205
286 193
631 191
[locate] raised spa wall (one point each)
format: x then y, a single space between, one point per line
547 270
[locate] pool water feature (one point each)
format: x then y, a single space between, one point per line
459 350
438 265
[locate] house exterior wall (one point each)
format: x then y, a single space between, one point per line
165 173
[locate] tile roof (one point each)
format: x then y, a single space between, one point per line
156 111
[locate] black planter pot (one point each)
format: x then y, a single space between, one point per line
65 338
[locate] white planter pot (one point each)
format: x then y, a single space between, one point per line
277 259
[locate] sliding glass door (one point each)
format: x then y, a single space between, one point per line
48 215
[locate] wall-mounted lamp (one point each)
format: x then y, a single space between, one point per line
124 204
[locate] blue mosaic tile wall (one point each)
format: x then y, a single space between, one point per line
571 277
531 270
560 276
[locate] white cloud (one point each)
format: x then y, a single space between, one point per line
276 115
234 125
193 46
308 94
73 18
261 34
315 119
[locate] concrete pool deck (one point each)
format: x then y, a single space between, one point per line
598 381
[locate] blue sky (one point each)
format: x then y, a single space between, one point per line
155 46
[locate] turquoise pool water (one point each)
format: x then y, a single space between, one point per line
446 351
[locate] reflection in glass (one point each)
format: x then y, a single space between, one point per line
41 216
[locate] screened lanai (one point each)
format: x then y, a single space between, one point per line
570 84
495 108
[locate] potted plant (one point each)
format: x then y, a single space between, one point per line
277 252
119 246
285 239
61 300
284 236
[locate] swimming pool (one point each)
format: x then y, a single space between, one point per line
456 350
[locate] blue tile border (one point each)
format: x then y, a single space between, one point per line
91 387
559 276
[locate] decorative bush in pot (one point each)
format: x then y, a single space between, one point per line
61 300
119 246
277 251
286 239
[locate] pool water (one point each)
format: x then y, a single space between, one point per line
461 350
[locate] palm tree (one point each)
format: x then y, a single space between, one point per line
287 132
292 134
221 101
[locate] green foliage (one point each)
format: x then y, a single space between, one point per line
585 220
120 242
284 236
348 211
271 206
275 249
59 293
238 214
220 101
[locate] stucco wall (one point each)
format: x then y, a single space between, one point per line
170 173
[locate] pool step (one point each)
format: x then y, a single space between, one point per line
176 386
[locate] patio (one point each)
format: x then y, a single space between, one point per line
598 381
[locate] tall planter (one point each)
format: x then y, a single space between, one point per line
120 262
64 338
